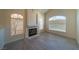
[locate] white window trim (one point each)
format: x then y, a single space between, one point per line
59 30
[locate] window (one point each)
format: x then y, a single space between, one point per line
57 23
16 24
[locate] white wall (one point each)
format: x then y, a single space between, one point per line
31 17
71 21
77 26
34 17
41 21
2 28
2 37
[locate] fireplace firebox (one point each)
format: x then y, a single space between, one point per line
32 32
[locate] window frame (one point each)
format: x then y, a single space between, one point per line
58 30
15 30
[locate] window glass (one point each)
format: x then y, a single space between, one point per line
57 23
16 24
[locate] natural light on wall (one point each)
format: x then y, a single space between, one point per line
41 23
57 23
16 24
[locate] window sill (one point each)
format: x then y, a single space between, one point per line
59 30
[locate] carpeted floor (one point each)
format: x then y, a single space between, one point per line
45 41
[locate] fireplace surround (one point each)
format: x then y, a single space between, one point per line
32 32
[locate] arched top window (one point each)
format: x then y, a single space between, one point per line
57 23
57 18
16 24
17 16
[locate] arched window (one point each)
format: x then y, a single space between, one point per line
57 23
16 24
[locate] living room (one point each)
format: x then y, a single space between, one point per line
39 29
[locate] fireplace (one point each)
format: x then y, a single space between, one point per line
32 31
